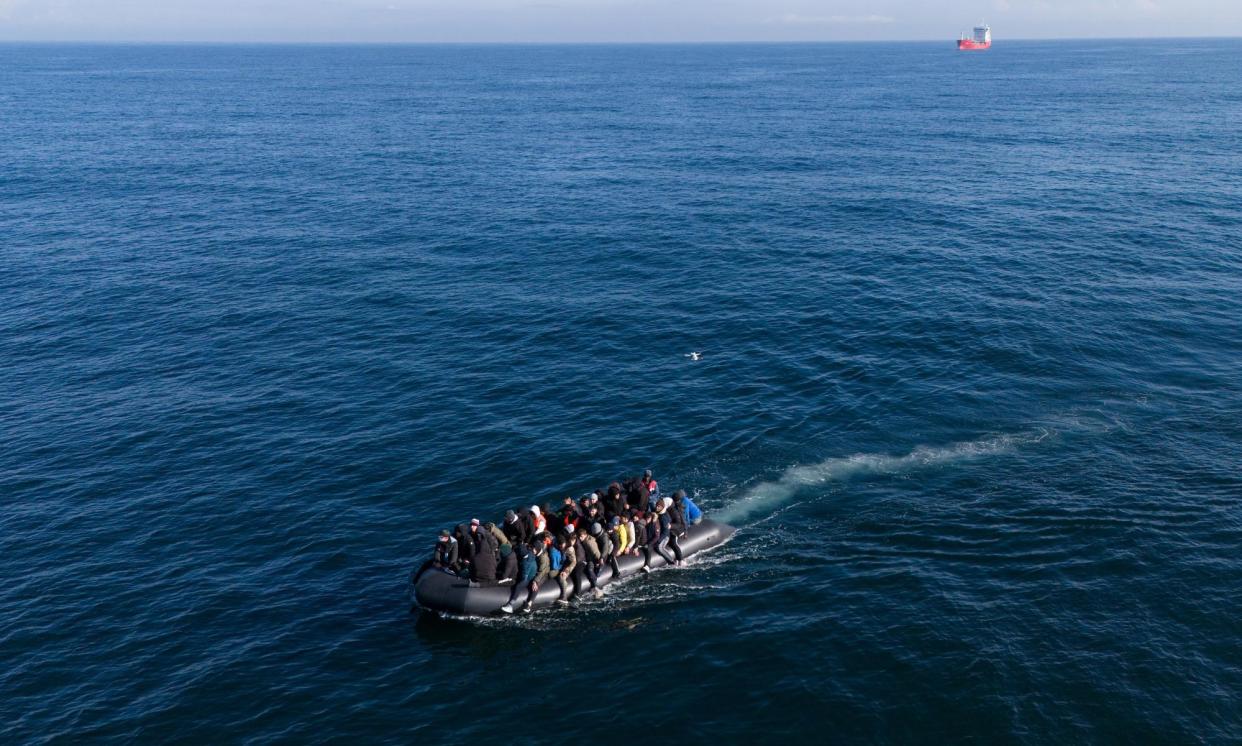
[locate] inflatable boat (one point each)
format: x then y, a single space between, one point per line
446 593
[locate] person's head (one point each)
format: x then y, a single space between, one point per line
510 516
568 501
614 489
536 547
678 496
616 521
474 525
534 510
582 534
647 475
444 535
596 529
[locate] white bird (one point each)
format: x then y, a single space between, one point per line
695 355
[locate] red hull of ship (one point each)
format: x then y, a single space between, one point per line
972 44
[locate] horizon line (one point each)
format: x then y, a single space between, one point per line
704 42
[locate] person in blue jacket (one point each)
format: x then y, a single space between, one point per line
689 511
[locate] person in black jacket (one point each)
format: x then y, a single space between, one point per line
465 550
516 529
677 527
483 564
664 532
614 500
637 495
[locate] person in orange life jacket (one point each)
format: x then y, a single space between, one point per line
539 523
569 562
570 514
653 489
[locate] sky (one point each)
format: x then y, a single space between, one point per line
605 20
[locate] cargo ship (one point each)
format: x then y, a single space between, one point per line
981 39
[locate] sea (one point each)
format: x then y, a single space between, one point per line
969 386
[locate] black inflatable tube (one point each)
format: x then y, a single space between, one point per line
443 592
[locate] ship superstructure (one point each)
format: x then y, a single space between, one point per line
980 39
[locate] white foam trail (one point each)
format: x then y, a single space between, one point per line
767 496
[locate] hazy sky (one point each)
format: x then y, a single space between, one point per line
605 20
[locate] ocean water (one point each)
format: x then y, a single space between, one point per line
971 387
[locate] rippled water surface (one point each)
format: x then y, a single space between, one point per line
971 386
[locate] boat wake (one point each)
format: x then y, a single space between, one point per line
765 497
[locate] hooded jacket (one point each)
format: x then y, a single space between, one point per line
483 567
465 546
678 518
614 500
605 542
499 535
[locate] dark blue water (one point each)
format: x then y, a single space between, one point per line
971 386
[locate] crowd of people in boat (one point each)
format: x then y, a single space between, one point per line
571 544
